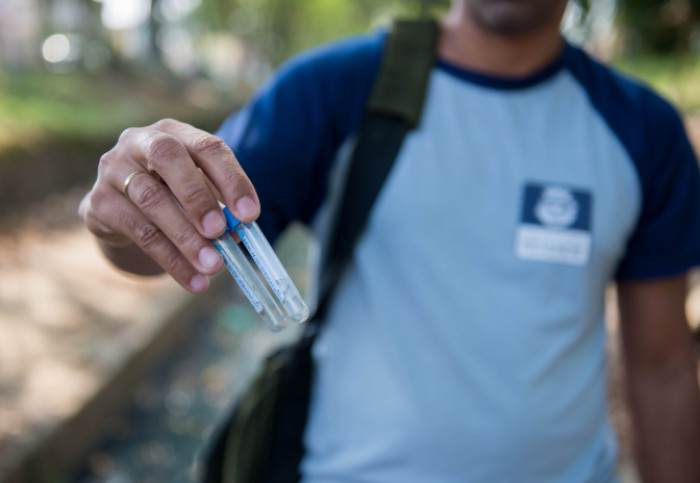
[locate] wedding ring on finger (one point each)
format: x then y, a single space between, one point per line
128 179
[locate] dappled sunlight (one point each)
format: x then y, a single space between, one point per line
68 320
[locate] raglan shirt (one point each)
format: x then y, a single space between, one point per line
466 341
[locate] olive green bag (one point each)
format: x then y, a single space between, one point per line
260 437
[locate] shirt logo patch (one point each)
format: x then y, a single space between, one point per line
555 225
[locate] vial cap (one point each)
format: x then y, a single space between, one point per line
231 221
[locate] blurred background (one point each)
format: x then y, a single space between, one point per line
108 378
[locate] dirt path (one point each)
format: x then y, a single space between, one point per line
67 321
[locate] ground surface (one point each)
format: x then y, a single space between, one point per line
67 321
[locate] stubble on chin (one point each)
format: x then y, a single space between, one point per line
515 17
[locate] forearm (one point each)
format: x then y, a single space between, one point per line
662 379
665 406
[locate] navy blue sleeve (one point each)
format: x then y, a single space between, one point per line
666 240
287 135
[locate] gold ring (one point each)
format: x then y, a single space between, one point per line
128 180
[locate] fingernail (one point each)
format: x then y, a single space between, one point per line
246 207
208 257
199 283
213 223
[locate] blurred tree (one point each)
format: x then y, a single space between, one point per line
154 53
659 26
276 29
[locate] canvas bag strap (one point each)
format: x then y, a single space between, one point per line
402 83
393 109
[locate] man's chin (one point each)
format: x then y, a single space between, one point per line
513 17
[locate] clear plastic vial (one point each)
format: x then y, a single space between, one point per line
270 266
245 276
279 282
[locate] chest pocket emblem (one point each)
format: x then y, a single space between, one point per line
555 225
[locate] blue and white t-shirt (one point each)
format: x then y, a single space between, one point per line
466 342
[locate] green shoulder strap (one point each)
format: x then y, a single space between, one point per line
409 56
392 110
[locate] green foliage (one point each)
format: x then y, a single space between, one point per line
277 29
676 77
37 103
40 100
660 26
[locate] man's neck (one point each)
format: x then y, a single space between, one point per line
466 44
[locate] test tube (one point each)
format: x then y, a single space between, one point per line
251 285
273 271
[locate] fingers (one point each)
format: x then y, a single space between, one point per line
166 237
218 163
165 156
156 204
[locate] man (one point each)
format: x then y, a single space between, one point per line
465 342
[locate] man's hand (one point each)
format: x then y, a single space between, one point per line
662 380
170 211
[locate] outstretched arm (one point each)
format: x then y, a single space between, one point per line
662 379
